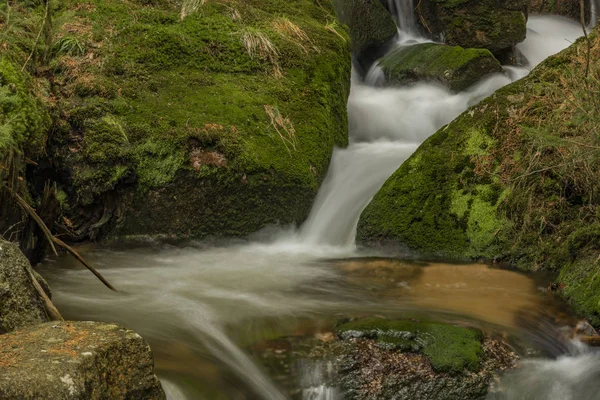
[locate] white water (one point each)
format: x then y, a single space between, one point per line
202 295
404 15
575 376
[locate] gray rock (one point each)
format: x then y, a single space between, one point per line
77 360
20 305
371 29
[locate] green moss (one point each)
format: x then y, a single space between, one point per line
449 348
579 283
183 104
23 120
453 66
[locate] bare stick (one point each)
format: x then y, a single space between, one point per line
37 39
587 39
36 218
51 309
82 261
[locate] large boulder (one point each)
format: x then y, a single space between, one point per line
566 8
509 179
20 304
489 24
225 113
372 29
77 360
452 66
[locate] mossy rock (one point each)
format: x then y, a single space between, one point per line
449 348
372 28
452 66
566 8
471 191
490 24
20 304
167 118
77 360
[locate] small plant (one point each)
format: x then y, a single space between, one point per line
68 45
291 32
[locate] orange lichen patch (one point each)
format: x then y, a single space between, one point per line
200 157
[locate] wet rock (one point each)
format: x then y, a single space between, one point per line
452 66
566 8
490 24
20 305
368 370
77 360
371 29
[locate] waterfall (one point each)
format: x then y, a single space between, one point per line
594 7
404 15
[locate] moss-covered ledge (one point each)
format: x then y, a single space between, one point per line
213 120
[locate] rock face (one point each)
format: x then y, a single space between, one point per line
505 181
566 8
452 66
371 29
77 360
490 24
20 305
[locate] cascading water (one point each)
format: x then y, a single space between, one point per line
199 305
404 15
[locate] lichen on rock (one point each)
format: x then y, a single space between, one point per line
20 305
77 360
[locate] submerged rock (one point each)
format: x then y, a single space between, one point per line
371 29
20 305
452 66
375 358
77 360
490 24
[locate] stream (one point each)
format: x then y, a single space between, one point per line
210 309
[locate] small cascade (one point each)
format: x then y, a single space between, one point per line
595 7
403 12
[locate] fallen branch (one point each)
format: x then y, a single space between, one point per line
53 239
82 261
51 309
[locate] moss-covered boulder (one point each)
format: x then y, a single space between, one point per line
490 24
77 360
385 359
452 66
20 305
372 29
449 348
208 118
509 179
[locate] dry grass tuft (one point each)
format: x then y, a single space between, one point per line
190 6
283 126
258 45
292 32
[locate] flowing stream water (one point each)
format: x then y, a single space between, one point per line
209 309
